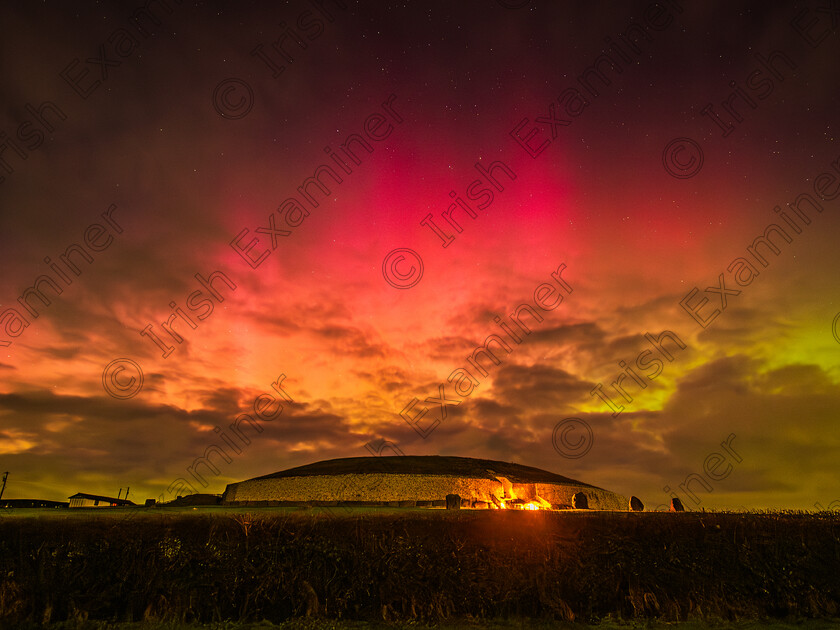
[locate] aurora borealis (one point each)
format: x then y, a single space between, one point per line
625 214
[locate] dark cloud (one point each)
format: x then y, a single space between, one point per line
540 386
128 438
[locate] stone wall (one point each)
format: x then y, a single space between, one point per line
380 487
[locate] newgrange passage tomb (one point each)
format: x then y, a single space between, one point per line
421 481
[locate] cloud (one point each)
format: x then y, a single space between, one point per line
539 386
69 436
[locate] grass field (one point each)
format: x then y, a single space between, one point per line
495 624
365 567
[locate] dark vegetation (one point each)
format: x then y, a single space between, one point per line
428 566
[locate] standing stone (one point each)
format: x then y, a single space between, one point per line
676 505
580 501
453 502
636 505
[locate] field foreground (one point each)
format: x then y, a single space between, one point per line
417 566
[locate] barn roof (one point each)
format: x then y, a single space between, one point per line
427 465
97 497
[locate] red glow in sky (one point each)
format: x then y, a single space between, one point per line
626 217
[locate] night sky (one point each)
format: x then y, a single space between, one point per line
595 238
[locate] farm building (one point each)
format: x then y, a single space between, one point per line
80 499
421 481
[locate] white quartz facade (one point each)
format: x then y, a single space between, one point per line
391 487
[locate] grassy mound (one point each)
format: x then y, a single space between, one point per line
427 465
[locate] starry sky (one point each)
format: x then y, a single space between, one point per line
595 238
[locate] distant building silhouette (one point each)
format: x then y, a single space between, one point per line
32 503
